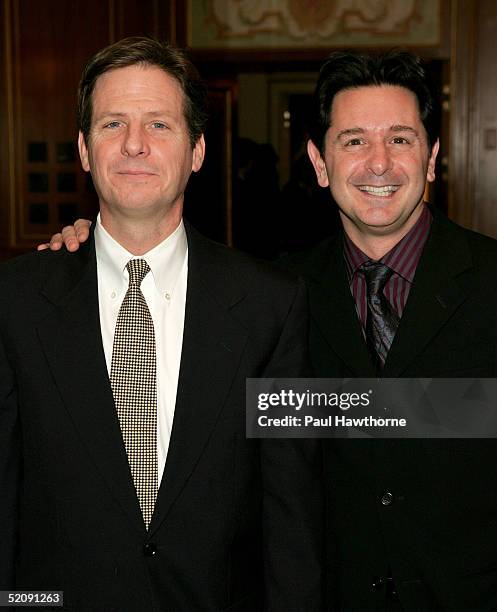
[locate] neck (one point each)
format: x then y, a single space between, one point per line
138 236
376 245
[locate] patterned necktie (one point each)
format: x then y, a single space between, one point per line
133 381
382 321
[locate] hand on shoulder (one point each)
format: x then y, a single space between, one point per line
71 237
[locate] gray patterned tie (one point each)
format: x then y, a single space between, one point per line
134 385
382 321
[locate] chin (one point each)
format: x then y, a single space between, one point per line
383 224
136 198
379 219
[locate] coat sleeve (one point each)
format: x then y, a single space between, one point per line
293 506
10 462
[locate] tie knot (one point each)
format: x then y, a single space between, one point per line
137 270
376 275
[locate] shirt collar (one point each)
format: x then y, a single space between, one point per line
403 258
165 260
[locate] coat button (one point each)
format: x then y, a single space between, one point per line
386 499
150 549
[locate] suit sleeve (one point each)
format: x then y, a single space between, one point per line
293 513
10 458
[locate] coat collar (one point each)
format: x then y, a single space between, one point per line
440 286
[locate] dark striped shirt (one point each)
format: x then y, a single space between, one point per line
402 259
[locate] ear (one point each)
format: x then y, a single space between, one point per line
83 152
430 172
318 163
198 154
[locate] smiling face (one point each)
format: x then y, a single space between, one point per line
139 151
376 162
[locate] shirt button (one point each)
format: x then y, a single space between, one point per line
113 295
386 499
150 549
167 296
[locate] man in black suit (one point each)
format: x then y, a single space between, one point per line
411 524
130 504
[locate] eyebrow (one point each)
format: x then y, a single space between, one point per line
157 113
404 128
357 130
109 114
349 132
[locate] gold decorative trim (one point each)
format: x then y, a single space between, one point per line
297 24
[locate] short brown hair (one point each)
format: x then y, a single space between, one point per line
145 51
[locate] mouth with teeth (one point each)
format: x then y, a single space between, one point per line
383 191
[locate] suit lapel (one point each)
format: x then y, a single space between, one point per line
437 291
72 344
213 343
333 309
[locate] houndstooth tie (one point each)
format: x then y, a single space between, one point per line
133 381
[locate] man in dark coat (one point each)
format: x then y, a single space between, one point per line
126 480
411 524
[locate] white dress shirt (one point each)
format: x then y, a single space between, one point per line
164 289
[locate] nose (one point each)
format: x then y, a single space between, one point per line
135 141
379 160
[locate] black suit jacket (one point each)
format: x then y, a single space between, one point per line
437 538
236 521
